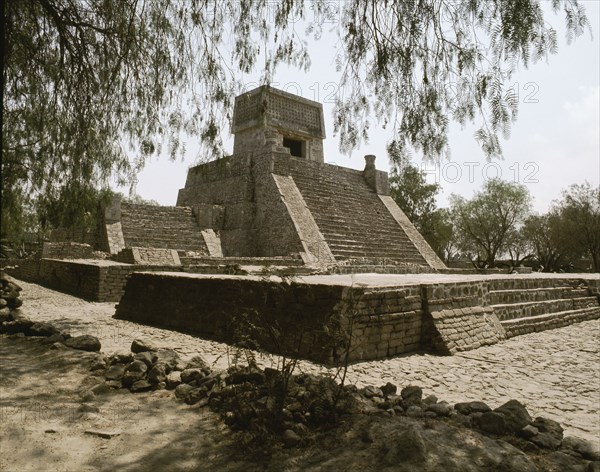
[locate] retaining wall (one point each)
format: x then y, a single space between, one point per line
94 280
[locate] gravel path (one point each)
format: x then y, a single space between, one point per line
554 373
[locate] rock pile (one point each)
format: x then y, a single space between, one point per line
14 323
251 399
147 367
9 295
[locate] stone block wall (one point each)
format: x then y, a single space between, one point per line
215 307
384 322
94 280
457 317
221 193
148 256
66 250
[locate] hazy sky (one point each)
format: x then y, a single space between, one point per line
555 141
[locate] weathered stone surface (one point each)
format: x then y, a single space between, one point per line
158 373
84 343
388 389
146 357
173 379
134 371
528 431
515 414
189 375
492 422
141 386
466 408
545 440
411 394
440 409
546 425
43 329
141 345
115 372
406 446
182 391
582 447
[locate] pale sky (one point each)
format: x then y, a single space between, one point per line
554 143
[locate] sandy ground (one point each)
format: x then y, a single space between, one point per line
554 373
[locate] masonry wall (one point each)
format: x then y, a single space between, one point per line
216 307
100 281
228 183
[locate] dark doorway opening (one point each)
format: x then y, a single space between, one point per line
295 146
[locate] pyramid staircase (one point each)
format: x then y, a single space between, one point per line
161 227
353 220
529 305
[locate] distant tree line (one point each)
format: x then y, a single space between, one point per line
497 225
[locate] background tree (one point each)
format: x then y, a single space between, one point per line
579 211
84 82
490 220
416 197
549 243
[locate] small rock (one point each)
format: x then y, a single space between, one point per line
146 357
84 343
115 372
290 438
5 313
559 461
582 447
168 357
113 384
466 408
140 386
414 411
440 409
55 346
406 446
44 329
372 392
134 371
195 395
197 362
121 358
173 379
182 391
103 434
50 431
158 373
190 375
137 366
545 440
389 389
546 425
492 422
430 400
412 395
140 345
528 431
515 414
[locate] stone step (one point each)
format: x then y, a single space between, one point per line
519 326
535 308
535 283
496 297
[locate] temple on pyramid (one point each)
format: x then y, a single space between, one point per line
275 199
